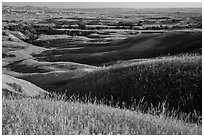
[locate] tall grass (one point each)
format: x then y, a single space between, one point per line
174 80
27 116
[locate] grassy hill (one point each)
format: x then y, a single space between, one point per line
33 66
175 80
141 46
56 117
47 74
17 87
13 51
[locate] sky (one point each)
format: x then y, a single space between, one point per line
108 4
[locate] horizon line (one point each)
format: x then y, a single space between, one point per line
101 5
104 7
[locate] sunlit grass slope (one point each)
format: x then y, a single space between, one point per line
44 116
175 80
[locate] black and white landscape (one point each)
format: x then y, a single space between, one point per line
101 70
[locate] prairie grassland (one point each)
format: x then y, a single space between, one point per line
56 117
175 80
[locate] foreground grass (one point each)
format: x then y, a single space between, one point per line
50 117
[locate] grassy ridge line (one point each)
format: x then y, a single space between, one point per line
174 80
49 117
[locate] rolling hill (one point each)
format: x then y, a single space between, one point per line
174 80
141 46
17 87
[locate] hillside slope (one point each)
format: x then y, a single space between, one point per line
47 74
14 86
174 80
51 117
141 46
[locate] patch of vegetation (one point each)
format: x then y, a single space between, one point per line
4 55
28 30
16 87
28 116
174 80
